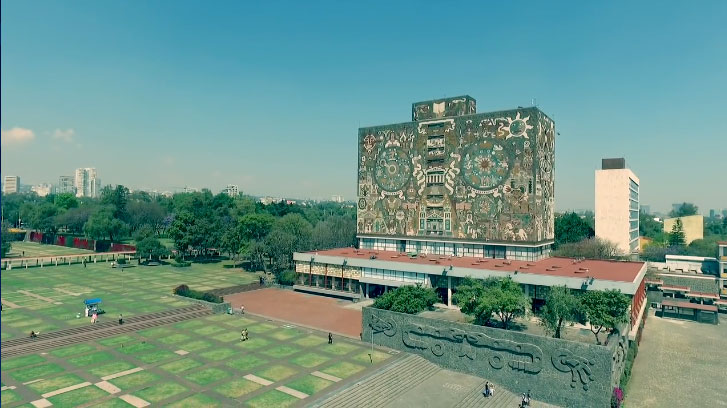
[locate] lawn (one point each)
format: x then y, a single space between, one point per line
212 372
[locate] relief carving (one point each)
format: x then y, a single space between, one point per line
579 367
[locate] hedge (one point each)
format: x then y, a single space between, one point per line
184 290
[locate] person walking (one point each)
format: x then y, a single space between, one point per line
242 309
486 391
242 335
492 390
246 334
121 319
330 338
33 334
94 317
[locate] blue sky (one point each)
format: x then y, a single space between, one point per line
269 95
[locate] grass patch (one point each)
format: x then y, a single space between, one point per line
21 362
196 401
89 359
227 337
309 384
377 357
285 334
111 368
113 403
156 332
276 373
136 348
176 367
339 349
311 341
189 324
174 339
71 350
9 396
261 328
246 363
206 376
78 397
272 399
156 356
207 330
115 341
309 360
237 388
253 344
218 354
56 383
159 392
195 345
343 369
134 380
281 351
40 371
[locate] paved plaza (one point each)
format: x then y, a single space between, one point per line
680 364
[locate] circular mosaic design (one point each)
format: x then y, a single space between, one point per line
518 127
393 169
485 167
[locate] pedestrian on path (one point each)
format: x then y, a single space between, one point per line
121 319
242 309
492 390
242 335
33 334
486 391
330 338
94 317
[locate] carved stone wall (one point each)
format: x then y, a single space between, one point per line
483 177
556 371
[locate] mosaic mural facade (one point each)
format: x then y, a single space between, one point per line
455 173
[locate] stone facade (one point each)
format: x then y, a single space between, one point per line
453 173
556 371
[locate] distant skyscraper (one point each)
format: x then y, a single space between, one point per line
87 182
712 213
65 185
617 205
231 190
11 184
646 209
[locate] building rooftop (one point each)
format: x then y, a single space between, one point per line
688 305
617 271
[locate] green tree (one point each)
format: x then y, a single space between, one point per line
590 248
5 240
469 295
103 224
255 226
570 227
650 228
150 247
407 299
190 232
65 201
42 217
280 245
561 306
676 236
118 198
334 232
704 247
254 252
685 209
74 219
507 300
605 310
149 213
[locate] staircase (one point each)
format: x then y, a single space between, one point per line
502 399
60 338
380 388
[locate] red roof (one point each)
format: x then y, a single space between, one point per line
687 305
619 271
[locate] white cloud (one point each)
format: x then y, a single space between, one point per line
64 135
16 136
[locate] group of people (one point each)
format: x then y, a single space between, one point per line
489 391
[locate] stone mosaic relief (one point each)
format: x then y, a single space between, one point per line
481 177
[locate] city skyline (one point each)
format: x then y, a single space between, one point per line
237 113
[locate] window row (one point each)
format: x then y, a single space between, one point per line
400 276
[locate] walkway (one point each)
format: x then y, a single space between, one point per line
312 311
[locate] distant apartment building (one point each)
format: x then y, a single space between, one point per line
11 184
42 189
231 190
337 199
646 209
617 205
722 257
87 182
693 226
65 185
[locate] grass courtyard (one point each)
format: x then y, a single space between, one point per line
32 249
194 363
48 299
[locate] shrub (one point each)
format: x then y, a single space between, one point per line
630 356
407 299
184 290
121 261
286 278
181 290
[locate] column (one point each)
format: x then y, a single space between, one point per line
367 290
449 291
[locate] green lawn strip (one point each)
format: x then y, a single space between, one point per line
339 349
246 362
196 401
309 384
134 380
55 383
195 345
219 318
309 360
178 366
276 372
173 339
343 369
237 388
189 324
31 373
111 368
227 337
21 362
160 391
156 332
207 330
261 328
377 357
78 397
218 354
89 359
206 376
284 334
113 403
156 356
115 341
134 348
9 396
26 323
253 344
238 322
311 341
280 351
272 399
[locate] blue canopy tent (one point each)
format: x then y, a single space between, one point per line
92 305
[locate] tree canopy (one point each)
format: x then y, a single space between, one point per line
483 298
685 209
677 236
407 299
570 227
590 248
561 307
605 310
